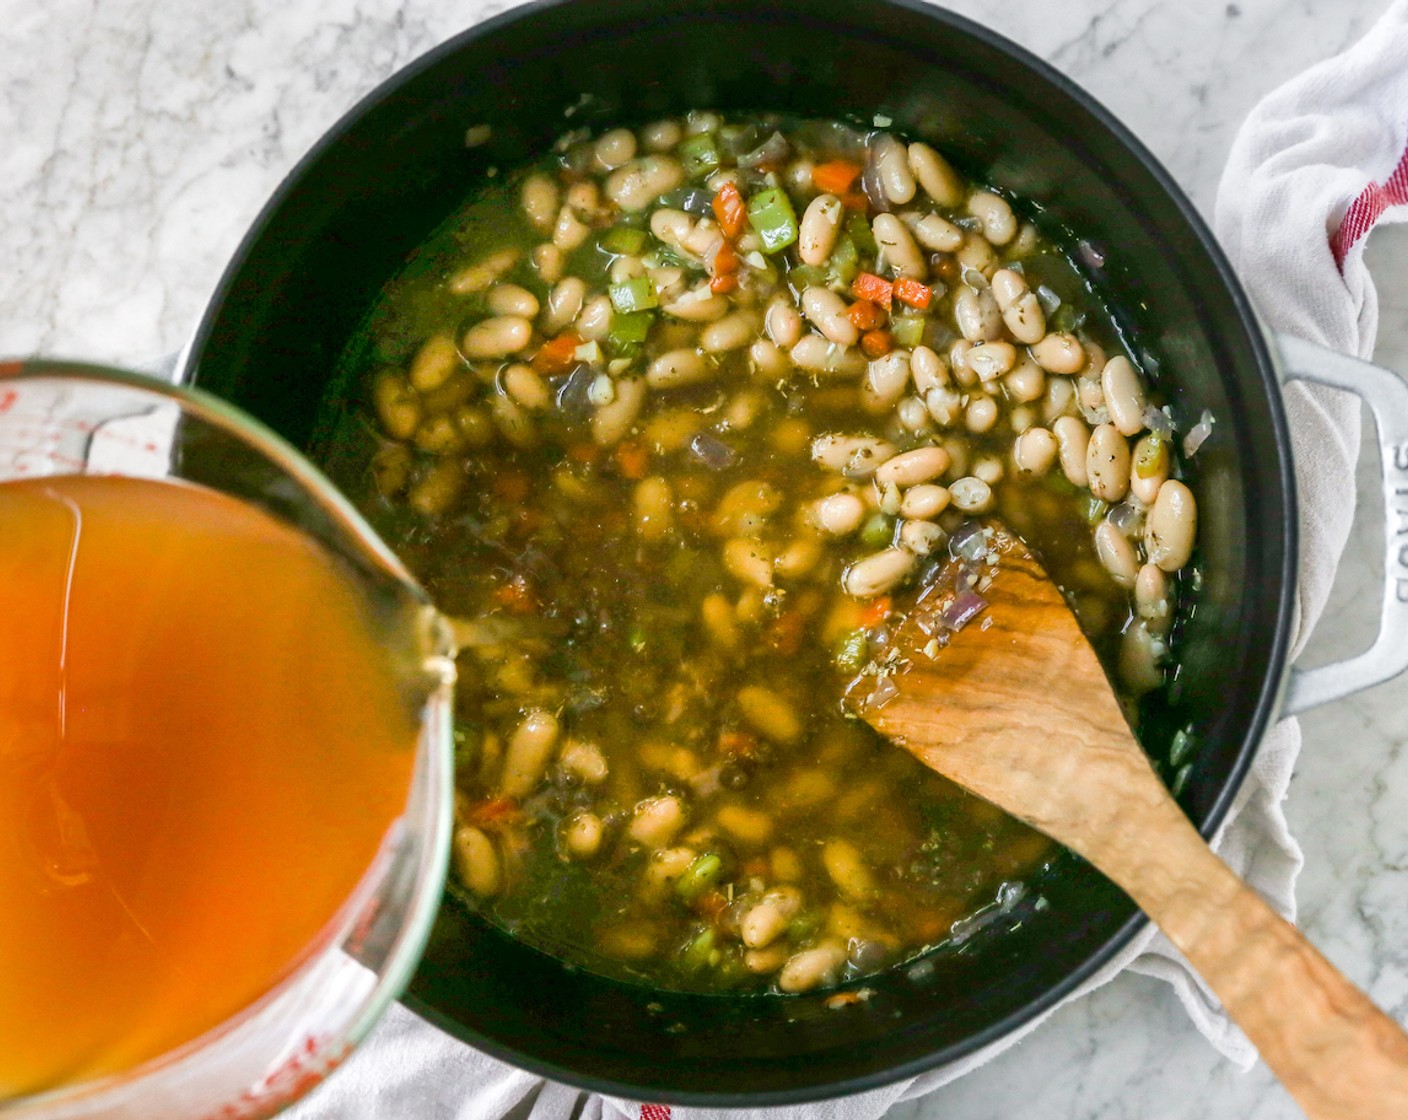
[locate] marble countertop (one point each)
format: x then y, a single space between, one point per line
139 137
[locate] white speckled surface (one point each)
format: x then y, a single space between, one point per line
139 137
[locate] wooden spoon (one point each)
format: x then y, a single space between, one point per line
1017 708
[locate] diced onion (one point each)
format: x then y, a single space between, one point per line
1198 434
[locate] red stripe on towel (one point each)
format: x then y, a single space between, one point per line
654 1112
1365 210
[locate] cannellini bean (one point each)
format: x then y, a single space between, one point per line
497 337
1026 381
661 136
845 865
977 253
564 304
878 573
657 821
1124 395
581 834
729 333
764 921
945 405
614 148
1151 453
750 827
510 299
540 200
799 557
671 226
594 320
999 224
783 322
524 385
435 363
1139 656
816 354
768 360
585 198
913 415
391 469
698 305
1107 464
933 232
853 456
925 501
529 748
838 514
928 369
912 467
548 261
991 360
1060 399
481 274
886 379
812 968
746 560
639 182
1021 310
439 435
397 405
513 422
977 315
613 420
827 311
981 414
702 237
477 862
569 231
892 168
1116 553
654 508
1172 526
1151 598
1059 353
971 495
437 489
1035 451
1074 439
921 537
763 962
897 246
820 226
719 620
626 268
938 178
1090 395
583 761
769 714
989 470
677 367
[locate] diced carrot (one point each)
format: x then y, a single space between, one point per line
913 292
785 633
836 176
723 284
855 200
516 596
584 452
754 867
711 904
632 459
875 611
730 210
726 260
874 288
866 315
496 810
876 344
557 355
739 743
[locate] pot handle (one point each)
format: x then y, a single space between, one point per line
1386 394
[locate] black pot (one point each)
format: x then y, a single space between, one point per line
397 165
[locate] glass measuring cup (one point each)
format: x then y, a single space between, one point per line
68 419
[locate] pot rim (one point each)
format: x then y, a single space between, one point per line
1266 703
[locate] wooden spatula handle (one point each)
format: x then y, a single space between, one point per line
1338 1055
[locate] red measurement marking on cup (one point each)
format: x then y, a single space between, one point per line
290 1080
9 396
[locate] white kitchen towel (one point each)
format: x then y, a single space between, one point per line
1315 164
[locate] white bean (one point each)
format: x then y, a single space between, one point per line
768 360
732 332
892 168
497 338
886 379
1035 451
529 749
897 247
564 304
977 315
925 501
827 311
991 360
1026 381
847 869
671 226
569 231
783 322
435 363
878 573
1146 486
938 178
1107 464
920 537
481 274
853 456
929 370
614 148
981 413
769 714
1059 353
1139 657
581 833
661 136
1074 439
971 495
838 514
812 968
677 367
548 262
820 226
819 355
1172 526
764 922
656 821
1021 310
933 232
639 182
510 299
909 468
999 224
523 384
1151 598
1124 395
540 199
1117 554
476 861
698 305
611 421
594 320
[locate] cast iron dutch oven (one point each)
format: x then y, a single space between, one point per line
397 165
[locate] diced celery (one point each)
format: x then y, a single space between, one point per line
633 295
699 876
625 240
699 154
629 329
804 276
852 652
1095 509
1152 457
858 230
908 331
877 531
771 215
699 953
845 260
